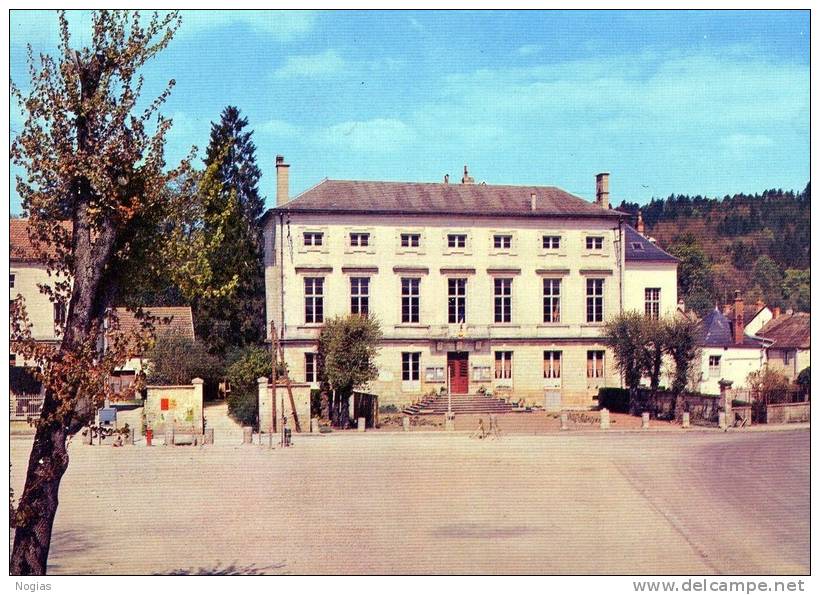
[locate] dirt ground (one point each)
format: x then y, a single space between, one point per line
642 502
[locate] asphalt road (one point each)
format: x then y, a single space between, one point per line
573 503
740 500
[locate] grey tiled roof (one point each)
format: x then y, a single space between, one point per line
424 198
717 330
640 249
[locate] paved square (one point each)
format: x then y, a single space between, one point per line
668 502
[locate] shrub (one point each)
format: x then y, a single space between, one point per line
388 408
176 359
247 366
244 408
614 399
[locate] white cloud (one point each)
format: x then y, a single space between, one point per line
530 49
314 65
278 128
379 135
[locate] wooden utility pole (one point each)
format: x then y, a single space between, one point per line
276 346
296 424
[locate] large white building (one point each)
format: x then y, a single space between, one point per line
501 287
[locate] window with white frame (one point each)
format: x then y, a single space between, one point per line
410 240
359 239
714 366
552 300
410 366
502 241
503 365
595 242
314 300
652 302
360 295
410 300
456 240
595 300
551 242
503 300
456 301
312 238
311 367
552 364
595 364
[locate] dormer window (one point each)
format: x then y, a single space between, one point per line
410 240
457 240
358 240
313 238
595 242
502 241
637 246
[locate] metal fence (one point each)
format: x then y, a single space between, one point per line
23 406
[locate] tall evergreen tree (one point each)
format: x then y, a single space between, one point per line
238 171
232 210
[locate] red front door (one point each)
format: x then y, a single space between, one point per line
457 369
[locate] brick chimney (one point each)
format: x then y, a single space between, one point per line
282 181
446 178
776 312
738 318
533 202
602 190
639 227
466 179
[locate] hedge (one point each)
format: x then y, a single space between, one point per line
614 399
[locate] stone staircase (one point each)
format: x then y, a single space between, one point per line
474 403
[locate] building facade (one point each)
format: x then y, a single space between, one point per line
500 288
27 273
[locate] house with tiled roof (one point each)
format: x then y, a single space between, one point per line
166 321
28 272
485 288
788 343
728 350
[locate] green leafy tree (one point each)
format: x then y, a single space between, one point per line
176 359
348 346
653 349
804 380
695 280
625 335
768 276
245 367
796 287
680 338
94 179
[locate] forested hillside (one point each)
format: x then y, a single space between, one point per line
757 243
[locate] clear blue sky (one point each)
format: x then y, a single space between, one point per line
668 102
